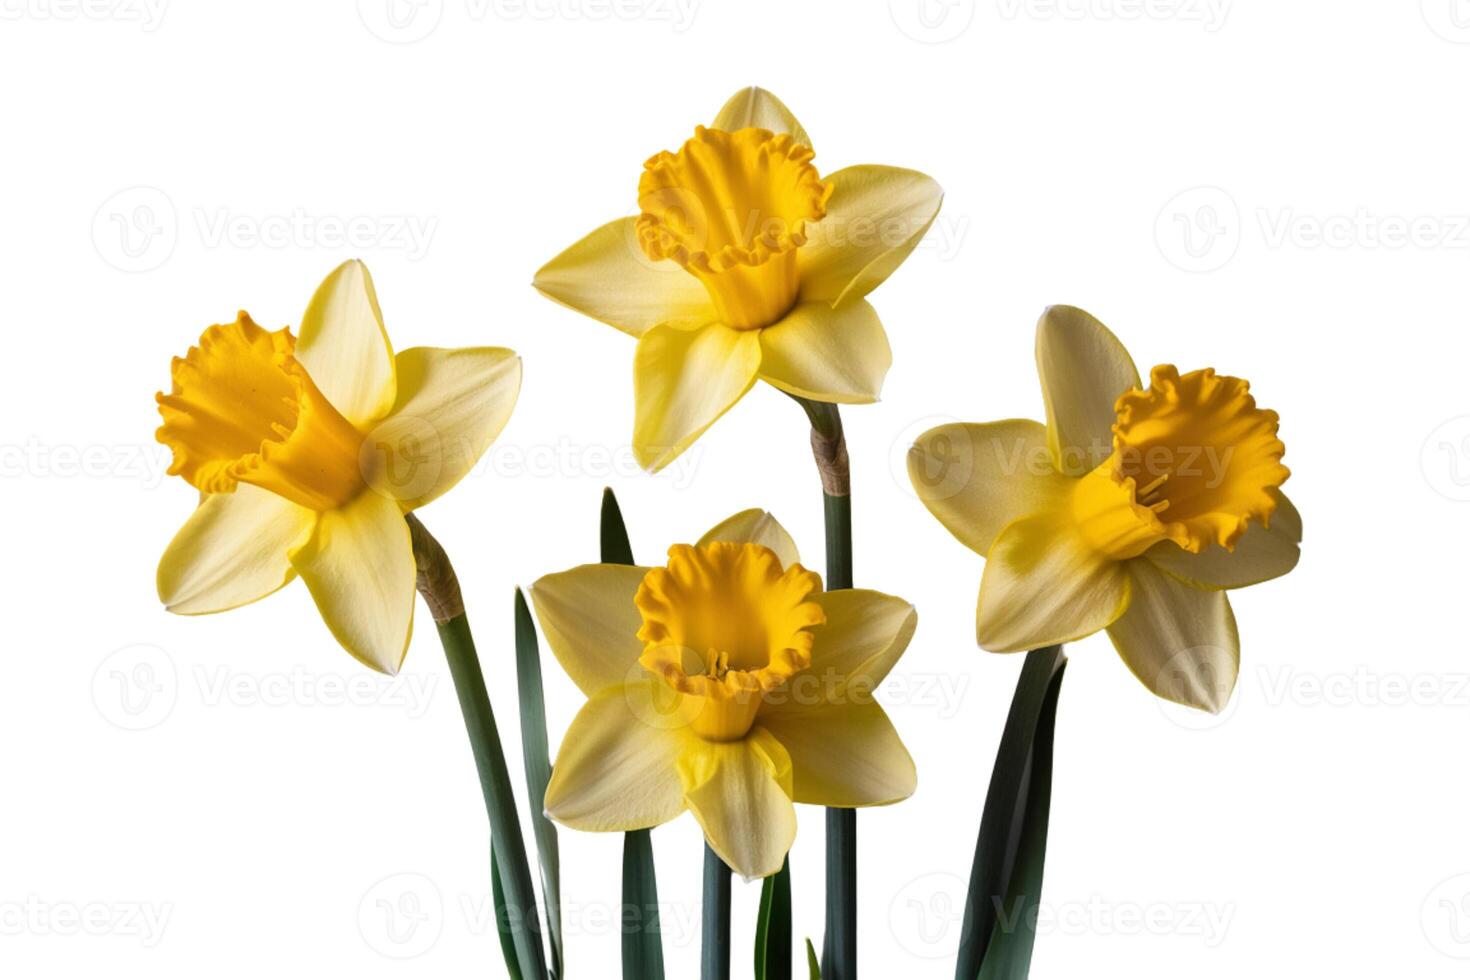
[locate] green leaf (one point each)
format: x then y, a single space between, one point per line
615 547
714 944
813 968
1009 955
997 931
537 759
502 920
773 927
513 872
643 953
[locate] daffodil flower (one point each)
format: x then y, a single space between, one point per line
727 683
1132 510
745 263
308 451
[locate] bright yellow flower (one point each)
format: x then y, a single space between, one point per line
727 683
1131 510
308 451
745 263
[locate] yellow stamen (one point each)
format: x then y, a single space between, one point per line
1195 447
244 409
724 625
732 208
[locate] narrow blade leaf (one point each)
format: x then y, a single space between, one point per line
643 954
1015 814
615 547
773 927
537 756
502 920
1009 955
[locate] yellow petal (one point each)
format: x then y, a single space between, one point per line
875 218
755 107
683 380
345 347
844 755
755 527
976 479
591 623
1043 585
1084 369
607 277
359 567
614 771
451 406
864 635
231 551
828 354
1180 642
740 792
1263 553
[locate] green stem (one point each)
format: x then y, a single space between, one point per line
829 449
440 589
715 951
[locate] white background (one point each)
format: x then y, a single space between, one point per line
199 772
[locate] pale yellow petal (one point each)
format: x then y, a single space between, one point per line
344 346
359 567
614 771
1084 368
1180 642
1044 585
755 527
591 624
976 479
844 755
1262 554
683 380
451 406
758 108
233 550
607 277
852 652
740 792
830 354
875 218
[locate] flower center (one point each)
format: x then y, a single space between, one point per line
1194 461
243 409
732 208
724 625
